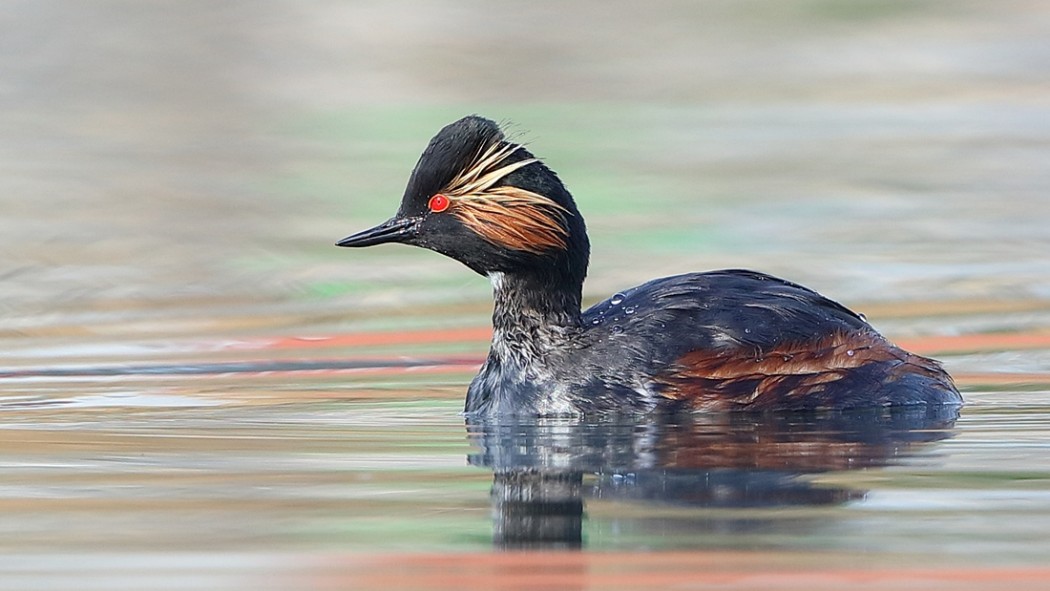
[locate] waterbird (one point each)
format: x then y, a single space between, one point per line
727 340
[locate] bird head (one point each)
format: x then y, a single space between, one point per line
487 202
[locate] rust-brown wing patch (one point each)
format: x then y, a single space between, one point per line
794 375
505 215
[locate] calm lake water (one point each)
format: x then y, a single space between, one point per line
198 391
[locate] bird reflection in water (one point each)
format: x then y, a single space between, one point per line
544 468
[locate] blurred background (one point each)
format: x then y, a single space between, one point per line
172 165
198 389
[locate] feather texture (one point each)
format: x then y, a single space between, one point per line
506 215
814 374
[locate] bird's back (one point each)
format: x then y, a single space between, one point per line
744 340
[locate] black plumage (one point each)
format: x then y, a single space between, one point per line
722 340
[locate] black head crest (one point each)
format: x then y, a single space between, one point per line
467 170
449 152
478 197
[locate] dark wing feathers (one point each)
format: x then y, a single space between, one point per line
736 339
720 308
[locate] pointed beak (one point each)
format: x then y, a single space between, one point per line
392 230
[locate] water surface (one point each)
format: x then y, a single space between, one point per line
197 390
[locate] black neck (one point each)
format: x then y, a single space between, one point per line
530 305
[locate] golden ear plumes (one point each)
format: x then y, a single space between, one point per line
508 216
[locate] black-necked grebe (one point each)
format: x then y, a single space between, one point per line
722 340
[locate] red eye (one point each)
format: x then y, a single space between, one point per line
439 203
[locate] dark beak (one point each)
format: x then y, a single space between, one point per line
392 230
